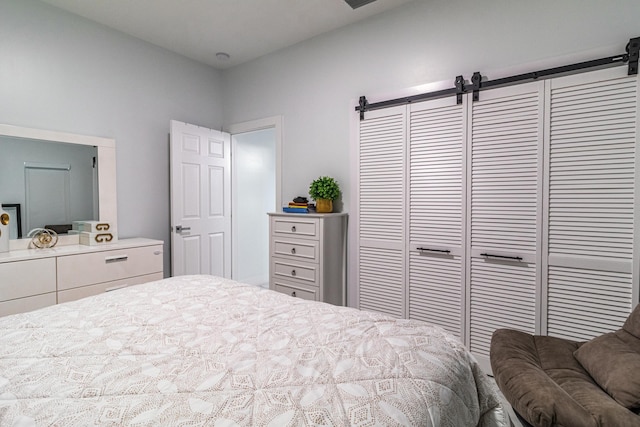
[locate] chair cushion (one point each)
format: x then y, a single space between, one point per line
614 366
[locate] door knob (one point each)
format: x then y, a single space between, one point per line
180 229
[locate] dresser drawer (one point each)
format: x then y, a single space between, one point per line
22 305
295 271
296 291
27 278
99 267
87 291
285 226
304 250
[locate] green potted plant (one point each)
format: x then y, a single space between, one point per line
324 191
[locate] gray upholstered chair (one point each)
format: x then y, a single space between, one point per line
556 382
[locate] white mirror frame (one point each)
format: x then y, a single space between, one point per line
107 197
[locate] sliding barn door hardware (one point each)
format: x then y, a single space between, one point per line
476 83
631 57
437 251
565 69
505 257
633 49
458 89
362 106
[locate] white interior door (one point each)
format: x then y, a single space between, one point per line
436 143
47 193
200 200
381 217
504 199
592 181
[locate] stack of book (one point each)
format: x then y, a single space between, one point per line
297 206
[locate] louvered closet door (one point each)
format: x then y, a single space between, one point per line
505 154
436 176
591 279
381 211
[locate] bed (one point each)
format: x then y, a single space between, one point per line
202 350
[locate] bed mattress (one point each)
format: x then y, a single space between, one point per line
202 350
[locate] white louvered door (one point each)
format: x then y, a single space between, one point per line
381 212
592 189
533 190
504 202
437 135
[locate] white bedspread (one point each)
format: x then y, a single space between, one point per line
200 350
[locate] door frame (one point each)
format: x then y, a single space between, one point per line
273 122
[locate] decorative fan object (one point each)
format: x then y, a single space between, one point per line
43 238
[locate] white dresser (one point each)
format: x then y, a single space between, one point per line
35 278
307 256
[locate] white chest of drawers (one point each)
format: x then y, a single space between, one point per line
35 278
307 255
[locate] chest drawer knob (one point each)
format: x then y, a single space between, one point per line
293 251
293 228
293 272
293 294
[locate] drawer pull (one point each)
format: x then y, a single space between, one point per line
157 252
293 251
293 272
117 258
293 228
293 294
114 288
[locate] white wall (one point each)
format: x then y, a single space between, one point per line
62 72
315 84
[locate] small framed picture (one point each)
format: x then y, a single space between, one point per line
15 219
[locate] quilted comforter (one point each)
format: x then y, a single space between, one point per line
201 350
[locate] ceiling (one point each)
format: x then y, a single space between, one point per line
245 29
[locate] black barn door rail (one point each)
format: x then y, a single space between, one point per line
458 90
477 84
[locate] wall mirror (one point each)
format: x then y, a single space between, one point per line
56 178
